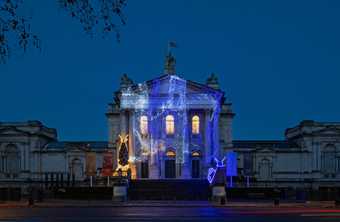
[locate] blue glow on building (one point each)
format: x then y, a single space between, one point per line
173 125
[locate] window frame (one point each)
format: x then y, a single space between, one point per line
144 125
195 125
170 125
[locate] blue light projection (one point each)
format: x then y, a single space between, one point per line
231 163
212 172
231 169
171 95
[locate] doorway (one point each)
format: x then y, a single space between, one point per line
170 169
145 169
195 168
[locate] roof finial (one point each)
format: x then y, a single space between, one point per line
170 61
125 81
212 81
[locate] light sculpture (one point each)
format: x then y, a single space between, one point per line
159 116
212 171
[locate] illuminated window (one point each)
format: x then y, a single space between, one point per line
170 124
170 154
143 125
195 124
195 154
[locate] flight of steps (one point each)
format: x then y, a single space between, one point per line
171 189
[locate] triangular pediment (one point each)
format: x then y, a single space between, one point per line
329 130
170 92
11 131
264 149
165 83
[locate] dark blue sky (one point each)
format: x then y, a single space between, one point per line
278 62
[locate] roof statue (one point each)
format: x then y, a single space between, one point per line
125 81
170 61
170 64
212 81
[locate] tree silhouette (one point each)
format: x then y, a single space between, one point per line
105 16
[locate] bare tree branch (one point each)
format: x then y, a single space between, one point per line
105 16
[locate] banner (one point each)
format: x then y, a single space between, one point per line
231 163
107 164
248 164
91 164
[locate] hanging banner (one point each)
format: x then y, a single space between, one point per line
231 163
107 164
90 164
248 164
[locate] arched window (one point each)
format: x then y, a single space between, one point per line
77 168
10 160
170 154
265 169
143 125
170 124
3 160
195 125
195 154
328 160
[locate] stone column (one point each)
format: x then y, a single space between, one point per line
123 122
154 126
215 137
154 166
186 173
207 140
132 154
22 157
114 122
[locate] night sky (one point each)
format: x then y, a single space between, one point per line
278 62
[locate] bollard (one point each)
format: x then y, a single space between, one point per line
223 200
337 202
219 194
120 191
30 201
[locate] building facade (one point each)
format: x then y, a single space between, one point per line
172 128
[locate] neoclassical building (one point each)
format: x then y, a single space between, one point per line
172 128
175 127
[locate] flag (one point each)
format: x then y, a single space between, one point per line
247 164
231 163
107 164
90 164
172 44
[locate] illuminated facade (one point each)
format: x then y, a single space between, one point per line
172 128
172 124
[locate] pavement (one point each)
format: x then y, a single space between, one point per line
170 214
59 203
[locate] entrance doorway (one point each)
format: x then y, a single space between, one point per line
145 169
170 169
195 168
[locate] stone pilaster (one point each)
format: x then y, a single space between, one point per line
207 140
132 154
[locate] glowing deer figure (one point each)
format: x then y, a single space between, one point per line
212 171
219 163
